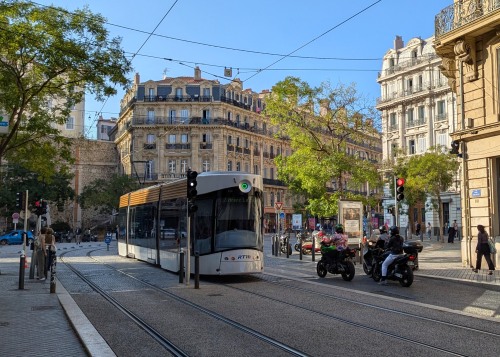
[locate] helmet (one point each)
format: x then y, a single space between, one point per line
321 234
382 229
394 230
339 228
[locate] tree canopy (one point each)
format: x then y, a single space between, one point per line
321 123
49 58
431 174
104 194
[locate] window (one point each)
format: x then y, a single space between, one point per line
422 144
409 115
178 92
441 110
256 169
238 166
184 116
392 119
442 139
229 140
206 92
394 149
184 166
409 85
264 174
411 147
206 165
70 123
247 167
247 143
151 92
421 114
171 166
171 139
229 166
171 117
184 138
238 141
150 139
205 138
271 173
206 114
151 117
149 169
237 119
229 116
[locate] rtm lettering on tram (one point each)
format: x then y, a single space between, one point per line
244 257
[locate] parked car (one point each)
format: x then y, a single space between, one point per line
15 237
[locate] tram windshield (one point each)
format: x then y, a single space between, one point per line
238 221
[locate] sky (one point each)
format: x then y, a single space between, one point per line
263 41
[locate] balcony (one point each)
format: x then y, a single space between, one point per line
150 146
184 146
441 117
414 123
206 146
461 13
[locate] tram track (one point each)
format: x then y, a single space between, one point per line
430 347
165 342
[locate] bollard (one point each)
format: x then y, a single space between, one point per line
181 267
272 245
53 274
313 256
287 247
196 270
300 249
21 271
276 245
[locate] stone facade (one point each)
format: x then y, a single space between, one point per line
468 41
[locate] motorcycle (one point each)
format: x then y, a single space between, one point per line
336 262
307 246
398 270
284 244
371 250
301 239
412 248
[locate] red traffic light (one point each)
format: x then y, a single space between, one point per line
400 181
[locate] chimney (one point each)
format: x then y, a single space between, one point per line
398 43
197 73
137 78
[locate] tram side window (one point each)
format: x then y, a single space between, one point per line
202 230
122 224
142 225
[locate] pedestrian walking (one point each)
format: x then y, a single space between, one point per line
451 234
429 230
40 253
455 227
78 236
50 246
483 249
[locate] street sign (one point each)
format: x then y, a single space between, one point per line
282 215
15 215
278 205
107 240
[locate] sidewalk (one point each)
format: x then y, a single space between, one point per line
35 311
36 322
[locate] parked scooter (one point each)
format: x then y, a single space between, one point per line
335 261
301 239
398 270
307 246
371 250
284 244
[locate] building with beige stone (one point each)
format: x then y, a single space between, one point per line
468 41
418 111
167 126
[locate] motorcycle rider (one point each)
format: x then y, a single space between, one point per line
382 238
339 239
335 244
395 245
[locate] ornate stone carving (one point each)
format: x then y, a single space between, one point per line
448 69
467 55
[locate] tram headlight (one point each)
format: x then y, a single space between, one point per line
245 186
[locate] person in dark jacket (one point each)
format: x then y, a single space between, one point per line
483 248
395 245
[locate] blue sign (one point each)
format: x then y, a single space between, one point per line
107 240
476 193
282 215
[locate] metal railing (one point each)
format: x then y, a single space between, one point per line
462 13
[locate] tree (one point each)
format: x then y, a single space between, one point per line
18 179
104 194
432 173
321 123
49 57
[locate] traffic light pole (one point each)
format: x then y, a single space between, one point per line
396 210
25 236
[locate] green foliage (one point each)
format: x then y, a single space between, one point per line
57 189
104 194
321 123
59 226
49 57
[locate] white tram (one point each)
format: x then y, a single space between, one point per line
226 231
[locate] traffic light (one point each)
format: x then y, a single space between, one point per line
455 146
191 191
20 200
400 188
40 207
191 184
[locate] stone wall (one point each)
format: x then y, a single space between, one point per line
94 159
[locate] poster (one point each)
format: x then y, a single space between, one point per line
351 217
